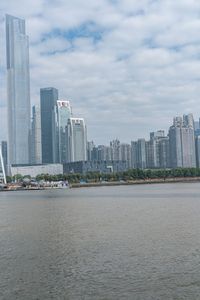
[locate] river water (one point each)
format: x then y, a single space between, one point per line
104 243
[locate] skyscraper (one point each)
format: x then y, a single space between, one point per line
18 90
76 140
48 101
64 114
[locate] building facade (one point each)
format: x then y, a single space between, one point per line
64 112
76 140
182 143
49 124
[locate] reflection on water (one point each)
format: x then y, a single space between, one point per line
132 242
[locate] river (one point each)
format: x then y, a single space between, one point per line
104 243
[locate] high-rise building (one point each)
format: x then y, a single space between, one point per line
138 154
76 140
125 154
134 154
155 148
36 146
49 124
18 90
163 147
64 114
115 149
182 143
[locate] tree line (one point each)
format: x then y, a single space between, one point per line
132 174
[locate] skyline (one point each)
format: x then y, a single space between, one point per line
82 52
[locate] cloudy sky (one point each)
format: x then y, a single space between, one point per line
127 66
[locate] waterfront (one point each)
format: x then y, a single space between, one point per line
124 242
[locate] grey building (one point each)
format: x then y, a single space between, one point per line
115 149
138 154
182 143
157 152
76 140
36 146
18 90
134 154
163 148
125 153
49 124
64 112
84 167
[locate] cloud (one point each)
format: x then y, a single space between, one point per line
127 66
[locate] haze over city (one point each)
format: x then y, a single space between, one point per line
126 66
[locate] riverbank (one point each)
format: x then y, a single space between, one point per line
107 183
137 181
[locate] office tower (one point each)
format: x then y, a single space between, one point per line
18 90
49 123
36 146
76 140
64 112
125 154
115 149
181 142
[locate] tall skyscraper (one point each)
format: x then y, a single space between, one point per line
49 123
18 90
64 111
36 146
77 140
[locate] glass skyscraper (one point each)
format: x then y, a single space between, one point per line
18 90
49 124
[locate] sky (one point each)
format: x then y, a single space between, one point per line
127 66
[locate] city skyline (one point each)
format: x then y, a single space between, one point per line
113 59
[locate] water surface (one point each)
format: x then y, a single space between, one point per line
104 243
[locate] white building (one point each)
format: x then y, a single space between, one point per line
64 112
34 170
76 140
